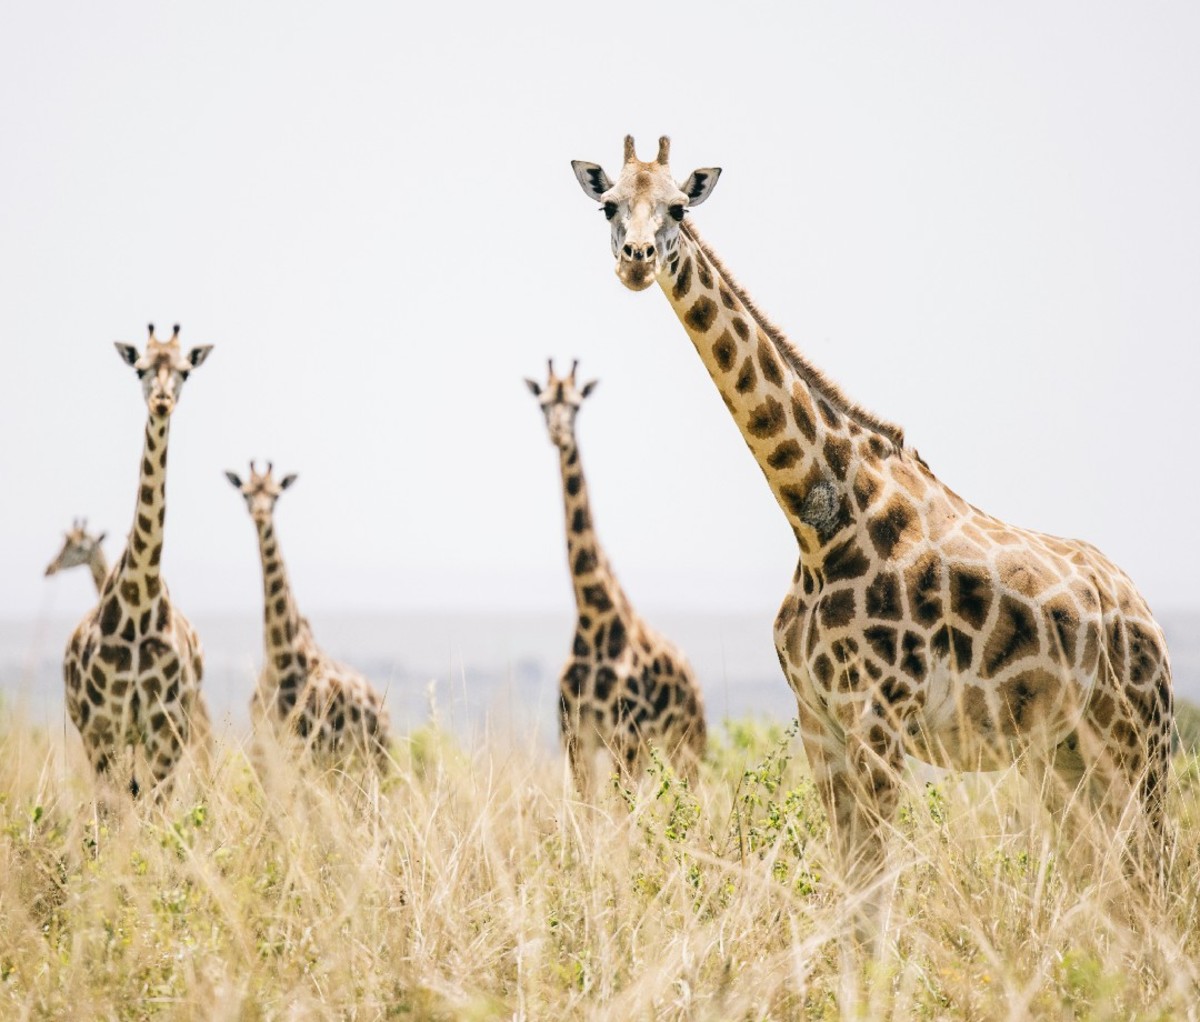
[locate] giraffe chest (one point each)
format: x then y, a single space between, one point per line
125 682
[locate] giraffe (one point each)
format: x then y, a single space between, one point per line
332 707
133 665
623 686
81 547
915 622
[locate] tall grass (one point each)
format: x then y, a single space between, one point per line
472 884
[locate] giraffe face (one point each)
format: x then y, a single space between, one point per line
644 210
260 491
78 547
163 369
560 399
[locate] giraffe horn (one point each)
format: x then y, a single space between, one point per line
150 328
574 366
630 152
175 329
550 365
270 467
664 150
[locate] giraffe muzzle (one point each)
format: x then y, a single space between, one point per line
637 271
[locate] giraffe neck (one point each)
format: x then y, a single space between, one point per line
98 565
805 435
596 588
140 563
281 619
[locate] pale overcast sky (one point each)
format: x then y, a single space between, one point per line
983 220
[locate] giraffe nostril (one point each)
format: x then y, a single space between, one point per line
628 250
649 251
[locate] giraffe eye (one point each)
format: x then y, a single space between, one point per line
610 210
676 212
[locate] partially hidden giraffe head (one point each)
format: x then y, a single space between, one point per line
644 209
163 368
78 547
560 398
261 490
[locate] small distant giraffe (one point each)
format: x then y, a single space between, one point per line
81 547
133 665
624 686
332 707
915 623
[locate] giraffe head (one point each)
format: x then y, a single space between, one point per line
163 368
261 490
644 209
560 398
78 547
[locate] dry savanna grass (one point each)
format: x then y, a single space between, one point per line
472 884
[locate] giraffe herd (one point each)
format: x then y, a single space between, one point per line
916 624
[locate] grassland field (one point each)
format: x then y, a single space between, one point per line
471 883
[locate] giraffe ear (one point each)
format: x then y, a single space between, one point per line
287 481
591 178
534 387
587 388
700 184
198 354
127 351
234 480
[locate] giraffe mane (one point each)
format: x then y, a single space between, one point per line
810 374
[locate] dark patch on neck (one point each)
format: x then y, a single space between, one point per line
724 350
837 455
785 455
819 507
701 315
767 419
683 281
747 378
597 596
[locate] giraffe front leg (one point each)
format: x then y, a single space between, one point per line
109 761
200 730
165 745
164 754
570 722
857 773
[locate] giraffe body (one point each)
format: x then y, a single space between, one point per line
133 665
916 623
624 686
333 709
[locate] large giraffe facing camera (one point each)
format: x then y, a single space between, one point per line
915 623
